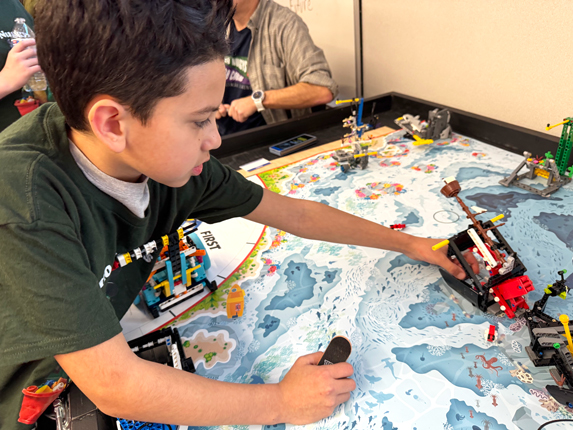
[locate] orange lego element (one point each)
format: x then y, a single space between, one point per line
235 302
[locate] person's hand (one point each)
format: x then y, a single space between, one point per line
312 392
223 108
21 64
241 109
421 249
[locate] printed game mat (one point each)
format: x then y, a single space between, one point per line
420 354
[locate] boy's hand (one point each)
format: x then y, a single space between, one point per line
312 392
241 109
21 64
421 249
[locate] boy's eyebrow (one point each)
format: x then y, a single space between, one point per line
205 110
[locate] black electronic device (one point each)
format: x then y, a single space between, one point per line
292 145
337 351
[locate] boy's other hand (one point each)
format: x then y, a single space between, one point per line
421 249
21 64
241 109
312 392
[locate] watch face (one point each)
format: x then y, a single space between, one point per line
257 94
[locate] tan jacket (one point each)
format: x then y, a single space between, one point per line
282 54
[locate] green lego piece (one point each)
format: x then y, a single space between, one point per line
548 154
563 295
565 144
556 346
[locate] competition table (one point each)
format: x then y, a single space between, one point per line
420 354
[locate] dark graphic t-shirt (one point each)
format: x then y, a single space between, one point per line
238 84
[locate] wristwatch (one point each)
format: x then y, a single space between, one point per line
258 97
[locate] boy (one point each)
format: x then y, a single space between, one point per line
124 157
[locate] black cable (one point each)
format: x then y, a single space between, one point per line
554 421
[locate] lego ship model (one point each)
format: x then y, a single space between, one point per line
506 284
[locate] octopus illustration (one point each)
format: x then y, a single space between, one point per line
488 364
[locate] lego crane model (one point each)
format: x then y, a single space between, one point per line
506 284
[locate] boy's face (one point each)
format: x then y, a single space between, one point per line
177 138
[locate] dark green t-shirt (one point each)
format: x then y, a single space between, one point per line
58 238
9 11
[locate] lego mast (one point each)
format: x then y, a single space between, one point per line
565 144
452 189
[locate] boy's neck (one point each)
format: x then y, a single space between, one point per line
102 157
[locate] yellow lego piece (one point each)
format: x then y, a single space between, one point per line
180 233
497 218
542 173
440 245
419 141
235 302
165 240
127 258
565 321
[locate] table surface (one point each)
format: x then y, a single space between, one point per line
420 355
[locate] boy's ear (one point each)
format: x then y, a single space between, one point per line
108 121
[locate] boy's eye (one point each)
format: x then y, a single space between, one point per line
203 124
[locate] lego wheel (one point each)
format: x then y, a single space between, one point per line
364 162
212 286
206 260
345 168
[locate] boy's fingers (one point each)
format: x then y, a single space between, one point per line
453 268
342 398
340 370
345 385
313 358
472 261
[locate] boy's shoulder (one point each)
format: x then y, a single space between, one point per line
29 148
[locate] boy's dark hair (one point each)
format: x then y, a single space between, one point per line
136 51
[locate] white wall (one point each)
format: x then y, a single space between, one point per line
331 25
511 60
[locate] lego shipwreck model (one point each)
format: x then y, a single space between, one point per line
178 273
551 343
506 284
554 170
357 155
424 133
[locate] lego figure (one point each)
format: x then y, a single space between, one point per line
235 302
554 170
506 284
424 133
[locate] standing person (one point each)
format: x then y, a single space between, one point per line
121 159
17 64
274 70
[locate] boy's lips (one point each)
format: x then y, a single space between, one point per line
196 171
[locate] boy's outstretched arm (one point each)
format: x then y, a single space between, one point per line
317 221
123 385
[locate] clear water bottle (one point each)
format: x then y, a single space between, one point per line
37 81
